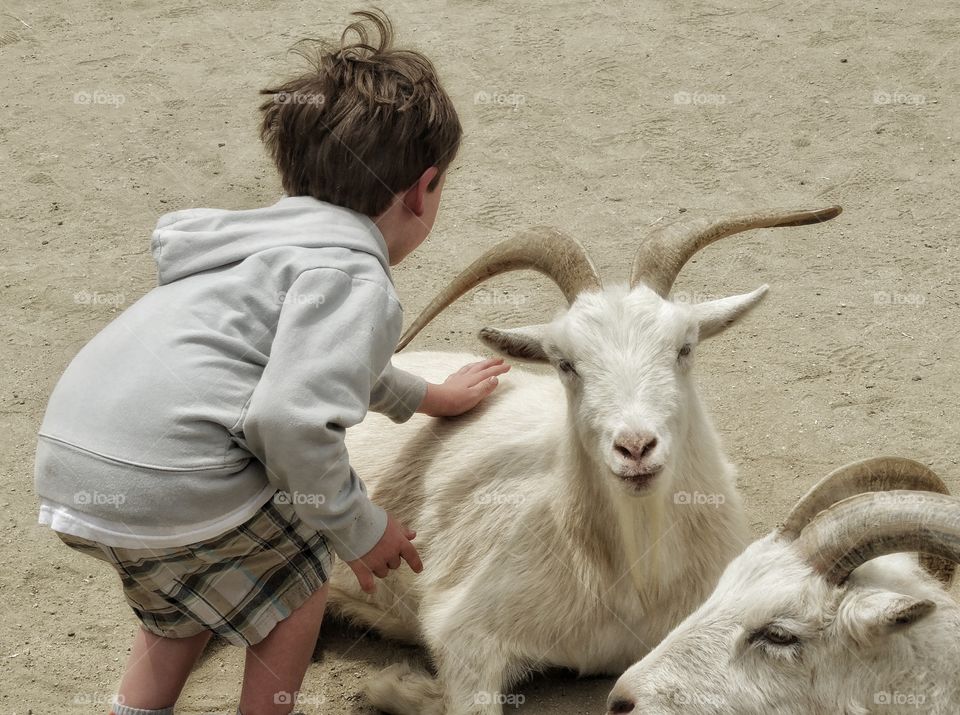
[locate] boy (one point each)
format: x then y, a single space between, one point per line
169 435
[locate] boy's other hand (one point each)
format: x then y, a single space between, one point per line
464 389
393 546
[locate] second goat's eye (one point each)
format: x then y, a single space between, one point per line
779 636
567 367
685 350
776 636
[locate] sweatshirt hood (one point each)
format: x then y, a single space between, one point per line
196 240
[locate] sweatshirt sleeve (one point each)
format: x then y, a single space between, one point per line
332 341
398 393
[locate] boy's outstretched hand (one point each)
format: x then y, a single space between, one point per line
463 389
393 546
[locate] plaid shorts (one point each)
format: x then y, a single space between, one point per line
238 585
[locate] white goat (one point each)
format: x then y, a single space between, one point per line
804 622
569 523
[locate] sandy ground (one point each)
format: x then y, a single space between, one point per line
602 118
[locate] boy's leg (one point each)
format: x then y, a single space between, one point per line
276 665
158 668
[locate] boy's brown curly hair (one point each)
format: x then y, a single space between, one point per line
363 124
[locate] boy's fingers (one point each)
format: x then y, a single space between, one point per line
492 371
484 364
409 553
364 577
485 387
409 533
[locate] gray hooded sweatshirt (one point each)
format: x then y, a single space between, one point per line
269 334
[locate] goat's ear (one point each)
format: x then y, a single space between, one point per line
872 616
524 343
715 316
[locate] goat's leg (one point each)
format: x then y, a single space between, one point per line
404 690
474 673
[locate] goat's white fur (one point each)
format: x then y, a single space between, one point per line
536 553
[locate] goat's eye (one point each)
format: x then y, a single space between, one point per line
684 351
567 367
775 636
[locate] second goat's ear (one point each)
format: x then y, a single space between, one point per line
524 343
715 316
871 617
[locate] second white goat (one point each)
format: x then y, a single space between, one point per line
824 616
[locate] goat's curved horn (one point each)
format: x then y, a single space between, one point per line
664 253
864 527
879 474
544 249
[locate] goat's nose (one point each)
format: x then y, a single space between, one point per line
617 705
636 446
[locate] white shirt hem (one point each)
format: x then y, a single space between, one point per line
116 533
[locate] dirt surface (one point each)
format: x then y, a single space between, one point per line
601 118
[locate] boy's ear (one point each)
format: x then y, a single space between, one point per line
872 616
715 316
522 343
413 199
